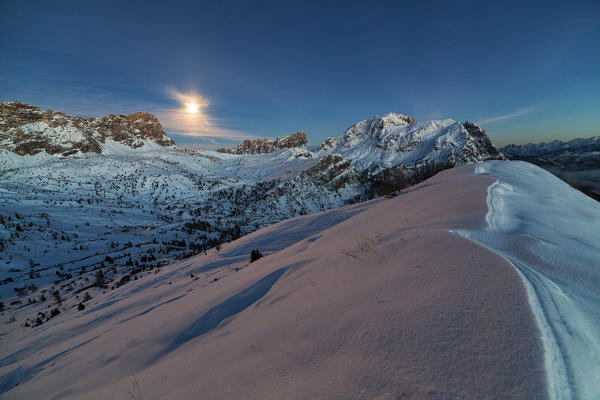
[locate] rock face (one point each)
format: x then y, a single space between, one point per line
264 145
27 130
396 139
394 150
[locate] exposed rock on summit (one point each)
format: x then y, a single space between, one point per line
27 130
394 150
396 139
264 145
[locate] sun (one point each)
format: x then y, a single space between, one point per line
192 108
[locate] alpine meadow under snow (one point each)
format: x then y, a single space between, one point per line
401 259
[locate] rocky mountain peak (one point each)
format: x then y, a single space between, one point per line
265 145
27 130
389 120
370 127
479 144
142 124
395 147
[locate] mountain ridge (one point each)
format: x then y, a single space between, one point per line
266 145
173 202
27 130
576 161
554 146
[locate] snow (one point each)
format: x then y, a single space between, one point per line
10 160
387 141
579 145
377 286
73 210
550 233
60 134
370 300
123 194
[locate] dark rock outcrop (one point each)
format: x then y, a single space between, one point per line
264 145
480 144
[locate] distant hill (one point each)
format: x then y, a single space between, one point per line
577 161
489 267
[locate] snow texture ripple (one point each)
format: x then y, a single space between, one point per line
551 234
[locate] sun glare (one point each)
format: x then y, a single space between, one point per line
192 108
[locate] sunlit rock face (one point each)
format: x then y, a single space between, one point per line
27 130
264 145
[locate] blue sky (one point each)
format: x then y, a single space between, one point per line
527 71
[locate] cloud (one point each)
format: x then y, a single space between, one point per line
517 113
199 123
86 99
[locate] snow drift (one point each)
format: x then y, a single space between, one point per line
551 234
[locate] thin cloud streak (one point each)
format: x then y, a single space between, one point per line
517 113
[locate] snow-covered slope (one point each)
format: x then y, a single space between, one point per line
551 234
64 216
72 213
577 162
380 299
374 300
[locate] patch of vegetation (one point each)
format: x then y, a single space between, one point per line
255 254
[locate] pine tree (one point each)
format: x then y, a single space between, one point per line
255 254
100 279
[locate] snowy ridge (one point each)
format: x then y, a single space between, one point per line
395 139
372 300
576 162
549 232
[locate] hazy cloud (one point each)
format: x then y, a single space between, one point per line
196 123
516 113
86 99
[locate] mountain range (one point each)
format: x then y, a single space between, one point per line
368 266
119 182
577 161
27 130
